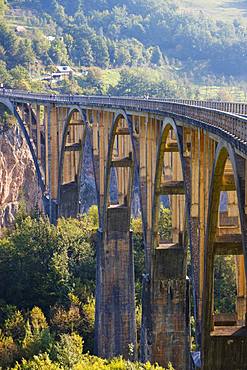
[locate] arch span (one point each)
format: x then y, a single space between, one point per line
215 339
13 110
124 160
168 257
75 130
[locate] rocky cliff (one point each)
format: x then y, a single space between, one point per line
17 175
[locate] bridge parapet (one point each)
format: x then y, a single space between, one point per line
227 117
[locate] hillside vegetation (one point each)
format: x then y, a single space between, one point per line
114 34
117 32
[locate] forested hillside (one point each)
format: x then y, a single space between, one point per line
120 34
117 32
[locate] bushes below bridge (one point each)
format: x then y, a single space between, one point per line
47 283
27 342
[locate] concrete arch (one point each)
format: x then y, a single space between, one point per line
7 104
224 151
168 124
121 114
13 110
168 270
73 208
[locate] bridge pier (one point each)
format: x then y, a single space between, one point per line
69 200
170 325
115 291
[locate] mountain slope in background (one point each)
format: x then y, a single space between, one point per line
227 10
115 33
159 40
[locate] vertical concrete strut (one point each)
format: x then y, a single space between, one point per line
138 139
49 160
95 163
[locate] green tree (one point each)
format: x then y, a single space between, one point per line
85 56
3 7
25 53
41 46
68 351
100 51
8 350
225 290
58 52
32 256
165 224
156 56
19 78
9 43
14 326
4 74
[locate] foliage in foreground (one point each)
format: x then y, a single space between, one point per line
86 362
47 282
29 344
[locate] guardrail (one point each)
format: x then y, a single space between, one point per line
231 107
223 119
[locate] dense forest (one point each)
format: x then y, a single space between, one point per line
148 47
117 33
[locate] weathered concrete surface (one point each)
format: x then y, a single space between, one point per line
69 200
170 326
115 311
227 349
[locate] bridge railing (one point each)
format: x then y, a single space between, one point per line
208 112
231 107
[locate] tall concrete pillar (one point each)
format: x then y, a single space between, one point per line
69 200
170 326
115 292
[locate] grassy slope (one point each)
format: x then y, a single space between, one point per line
220 9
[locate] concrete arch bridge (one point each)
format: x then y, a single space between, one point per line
193 152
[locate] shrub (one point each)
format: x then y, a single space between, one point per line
65 321
8 350
68 351
37 334
41 362
14 326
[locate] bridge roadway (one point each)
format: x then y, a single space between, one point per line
191 152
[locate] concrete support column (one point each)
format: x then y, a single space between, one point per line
241 303
115 292
169 316
38 133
